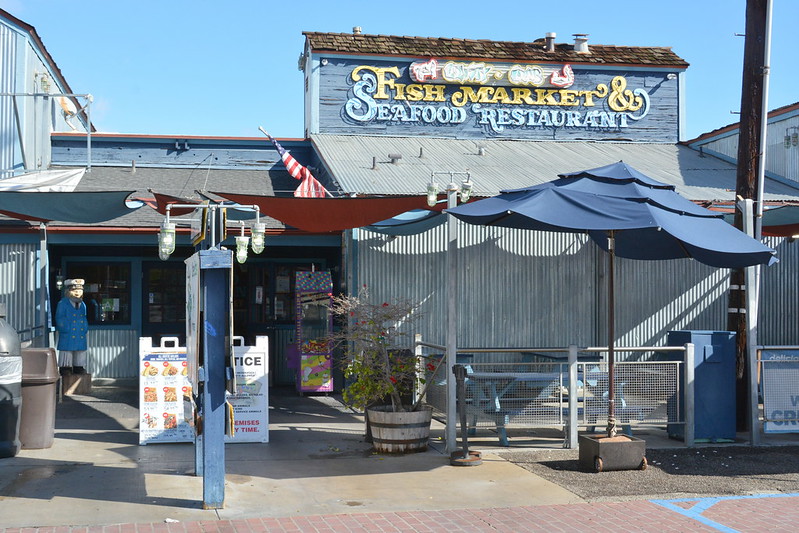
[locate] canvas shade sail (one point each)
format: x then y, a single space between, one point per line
78 207
44 181
627 214
323 215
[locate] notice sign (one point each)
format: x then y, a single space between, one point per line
251 401
780 386
164 394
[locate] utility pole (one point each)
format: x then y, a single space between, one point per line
749 156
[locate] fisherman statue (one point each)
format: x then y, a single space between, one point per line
72 326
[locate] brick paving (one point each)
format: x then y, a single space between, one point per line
728 514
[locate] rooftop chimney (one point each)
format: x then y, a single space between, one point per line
356 30
581 43
550 41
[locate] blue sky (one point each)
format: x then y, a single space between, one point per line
199 67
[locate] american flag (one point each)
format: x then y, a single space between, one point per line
309 186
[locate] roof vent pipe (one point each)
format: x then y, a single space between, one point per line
581 43
356 30
550 41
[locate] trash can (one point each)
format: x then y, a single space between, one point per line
39 382
714 384
10 388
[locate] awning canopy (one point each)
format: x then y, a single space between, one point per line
324 215
80 207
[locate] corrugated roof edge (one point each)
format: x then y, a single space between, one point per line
731 128
30 30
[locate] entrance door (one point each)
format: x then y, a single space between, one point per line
164 301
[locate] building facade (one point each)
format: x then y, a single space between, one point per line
386 116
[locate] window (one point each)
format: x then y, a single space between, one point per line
106 291
166 294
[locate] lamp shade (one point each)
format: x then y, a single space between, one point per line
166 240
242 242
258 237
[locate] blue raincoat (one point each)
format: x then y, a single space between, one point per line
72 325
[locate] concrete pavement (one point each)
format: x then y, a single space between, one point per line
315 474
316 463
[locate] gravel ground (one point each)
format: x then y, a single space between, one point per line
673 473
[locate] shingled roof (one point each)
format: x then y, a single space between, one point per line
351 43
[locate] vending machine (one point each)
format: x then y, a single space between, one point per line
314 365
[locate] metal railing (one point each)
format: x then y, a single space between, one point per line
564 388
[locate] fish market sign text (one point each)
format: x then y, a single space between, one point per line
496 98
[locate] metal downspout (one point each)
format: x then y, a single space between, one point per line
44 286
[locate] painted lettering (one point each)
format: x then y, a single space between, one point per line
494 107
361 106
621 98
415 92
380 77
468 94
546 97
521 96
569 97
435 93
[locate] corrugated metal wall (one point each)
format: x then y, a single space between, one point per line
113 353
19 283
512 285
524 288
655 297
8 69
779 308
780 160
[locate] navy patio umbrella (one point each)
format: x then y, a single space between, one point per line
627 214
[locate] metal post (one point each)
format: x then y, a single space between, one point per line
752 277
452 320
44 293
573 422
690 404
215 267
611 336
761 160
88 133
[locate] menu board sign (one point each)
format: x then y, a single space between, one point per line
165 405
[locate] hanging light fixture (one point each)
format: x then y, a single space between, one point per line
432 193
166 240
466 189
258 237
242 242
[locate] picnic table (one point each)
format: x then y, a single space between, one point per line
502 395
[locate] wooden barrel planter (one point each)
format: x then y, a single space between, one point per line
401 432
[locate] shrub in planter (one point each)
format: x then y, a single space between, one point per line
379 367
381 374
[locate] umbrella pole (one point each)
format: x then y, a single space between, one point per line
611 336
